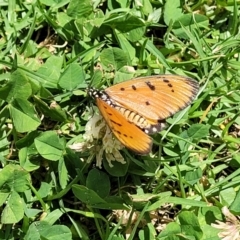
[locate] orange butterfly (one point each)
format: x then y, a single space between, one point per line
138 107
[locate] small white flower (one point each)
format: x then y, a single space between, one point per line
79 147
96 129
230 230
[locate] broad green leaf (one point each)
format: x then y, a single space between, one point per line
172 11
44 190
135 34
235 204
49 146
63 173
124 22
190 21
14 178
117 170
79 8
50 70
56 232
54 216
198 131
113 58
87 195
43 230
13 212
99 182
23 115
227 196
190 225
123 74
194 176
71 77
18 87
147 7
96 78
28 161
3 197
170 232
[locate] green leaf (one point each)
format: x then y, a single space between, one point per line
63 173
190 225
43 230
18 87
126 46
13 212
113 58
56 232
194 176
190 21
227 196
172 11
123 74
147 7
71 77
14 178
235 204
198 131
50 71
49 146
118 169
54 111
3 197
87 195
44 189
99 182
170 232
23 115
135 34
124 22
79 8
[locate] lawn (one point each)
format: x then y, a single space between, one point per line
63 173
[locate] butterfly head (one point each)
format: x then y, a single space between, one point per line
95 93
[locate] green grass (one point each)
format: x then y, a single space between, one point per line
51 51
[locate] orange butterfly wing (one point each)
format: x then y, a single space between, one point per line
156 97
126 132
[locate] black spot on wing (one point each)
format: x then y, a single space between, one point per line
170 85
165 80
152 87
134 87
122 89
147 103
116 123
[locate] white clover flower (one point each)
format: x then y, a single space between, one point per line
230 230
97 129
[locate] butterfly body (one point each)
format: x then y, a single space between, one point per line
138 107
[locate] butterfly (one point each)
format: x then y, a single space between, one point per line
138 107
